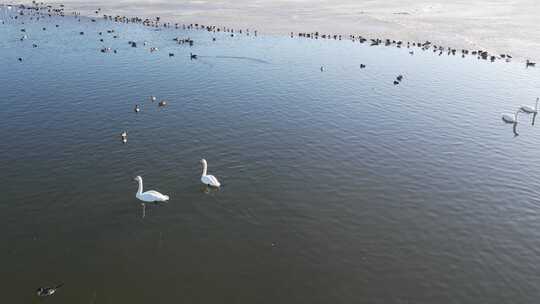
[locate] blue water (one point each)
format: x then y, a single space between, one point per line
338 187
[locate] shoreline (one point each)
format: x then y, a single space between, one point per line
500 28
477 29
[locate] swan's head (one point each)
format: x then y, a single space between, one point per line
137 178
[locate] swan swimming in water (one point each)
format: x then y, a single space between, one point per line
511 118
528 109
149 196
209 180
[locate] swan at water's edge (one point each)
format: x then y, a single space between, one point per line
209 180
528 109
149 196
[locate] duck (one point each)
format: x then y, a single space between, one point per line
150 196
47 291
137 109
192 56
153 98
528 109
530 63
362 66
124 136
162 103
206 179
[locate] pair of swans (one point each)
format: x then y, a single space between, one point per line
508 118
152 196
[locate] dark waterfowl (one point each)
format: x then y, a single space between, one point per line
192 56
47 291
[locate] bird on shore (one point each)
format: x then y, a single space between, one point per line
207 179
150 196
47 291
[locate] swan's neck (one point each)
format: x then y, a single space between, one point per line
140 187
536 106
204 168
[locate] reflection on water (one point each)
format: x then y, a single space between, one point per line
339 186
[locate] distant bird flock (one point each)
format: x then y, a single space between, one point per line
40 10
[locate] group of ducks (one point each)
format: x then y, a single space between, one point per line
513 118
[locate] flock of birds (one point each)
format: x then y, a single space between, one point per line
40 10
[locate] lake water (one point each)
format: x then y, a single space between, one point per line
338 187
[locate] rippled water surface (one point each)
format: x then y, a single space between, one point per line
338 187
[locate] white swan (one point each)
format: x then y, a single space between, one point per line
528 109
209 180
149 196
511 118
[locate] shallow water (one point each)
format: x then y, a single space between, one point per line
338 186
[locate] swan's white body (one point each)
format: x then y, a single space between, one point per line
528 109
206 179
510 118
149 196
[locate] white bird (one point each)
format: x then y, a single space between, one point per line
209 180
149 196
153 98
511 118
528 109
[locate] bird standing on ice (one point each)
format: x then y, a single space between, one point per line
209 180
